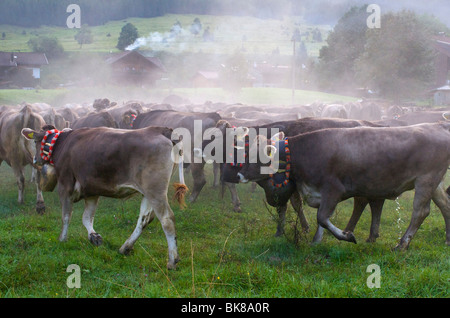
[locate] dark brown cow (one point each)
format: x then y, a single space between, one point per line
332 165
278 197
16 151
125 115
175 119
95 119
68 114
117 163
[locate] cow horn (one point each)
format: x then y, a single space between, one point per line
270 153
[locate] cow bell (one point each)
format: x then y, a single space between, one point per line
48 180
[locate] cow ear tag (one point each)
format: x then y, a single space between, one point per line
28 133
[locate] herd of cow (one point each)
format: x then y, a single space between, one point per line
329 152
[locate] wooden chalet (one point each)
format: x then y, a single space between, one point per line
133 68
22 69
442 47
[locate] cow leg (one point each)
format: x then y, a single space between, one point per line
40 206
376 207
166 217
167 220
33 174
90 205
442 200
66 204
328 203
146 215
318 235
18 172
234 197
421 209
198 175
281 209
297 204
216 173
359 204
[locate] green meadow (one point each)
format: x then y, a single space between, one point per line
223 253
230 33
247 95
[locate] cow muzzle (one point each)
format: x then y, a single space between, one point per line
242 179
198 153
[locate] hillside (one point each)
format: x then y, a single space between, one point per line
248 34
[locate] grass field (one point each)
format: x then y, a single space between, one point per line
223 254
230 33
253 96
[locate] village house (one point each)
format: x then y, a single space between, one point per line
133 68
441 95
22 69
205 79
442 47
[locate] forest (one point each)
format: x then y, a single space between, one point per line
34 13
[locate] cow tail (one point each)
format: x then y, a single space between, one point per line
180 187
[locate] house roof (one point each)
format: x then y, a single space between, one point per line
22 58
153 61
209 75
442 88
442 44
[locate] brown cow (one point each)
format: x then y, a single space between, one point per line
117 163
16 151
332 165
95 119
278 197
186 120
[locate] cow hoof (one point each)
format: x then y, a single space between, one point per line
96 239
173 266
237 209
125 250
400 247
350 237
40 208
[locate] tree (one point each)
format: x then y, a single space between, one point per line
398 60
48 45
128 35
234 74
84 35
344 45
196 26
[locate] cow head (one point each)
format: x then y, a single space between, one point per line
128 118
262 167
37 136
230 137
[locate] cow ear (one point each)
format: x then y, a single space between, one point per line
279 136
28 133
270 151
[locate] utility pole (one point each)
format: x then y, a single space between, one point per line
293 70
